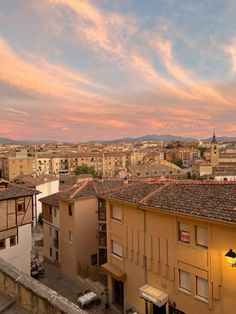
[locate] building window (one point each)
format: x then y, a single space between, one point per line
50 251
12 240
70 210
184 280
117 249
94 259
55 212
70 237
116 213
50 211
202 288
201 236
20 205
184 234
2 244
57 257
50 231
101 209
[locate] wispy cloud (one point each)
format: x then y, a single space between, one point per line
231 50
45 77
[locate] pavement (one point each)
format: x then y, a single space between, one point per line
54 280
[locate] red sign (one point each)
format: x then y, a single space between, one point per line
184 236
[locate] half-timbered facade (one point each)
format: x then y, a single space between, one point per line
16 216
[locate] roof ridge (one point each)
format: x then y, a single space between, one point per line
79 189
94 186
157 190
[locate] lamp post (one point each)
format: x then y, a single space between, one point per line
231 258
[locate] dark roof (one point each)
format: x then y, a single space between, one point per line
207 199
214 138
51 200
14 191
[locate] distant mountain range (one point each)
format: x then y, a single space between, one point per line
151 137
165 138
4 140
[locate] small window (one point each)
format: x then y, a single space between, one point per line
94 259
116 213
202 288
70 210
184 280
70 237
50 251
57 256
55 212
12 240
117 249
50 211
2 244
20 205
50 231
184 234
201 236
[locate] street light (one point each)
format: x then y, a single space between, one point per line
231 258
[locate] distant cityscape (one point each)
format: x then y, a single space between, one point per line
117 157
98 214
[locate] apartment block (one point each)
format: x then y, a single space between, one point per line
14 166
51 227
166 247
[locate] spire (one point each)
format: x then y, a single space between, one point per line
214 138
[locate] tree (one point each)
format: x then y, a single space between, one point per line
178 162
202 151
84 169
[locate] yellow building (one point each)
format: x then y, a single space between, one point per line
14 166
166 246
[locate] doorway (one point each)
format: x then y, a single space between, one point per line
118 296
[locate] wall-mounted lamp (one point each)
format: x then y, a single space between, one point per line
231 258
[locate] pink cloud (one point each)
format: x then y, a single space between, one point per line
45 78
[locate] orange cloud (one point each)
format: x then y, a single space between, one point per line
45 78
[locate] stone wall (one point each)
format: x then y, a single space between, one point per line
32 295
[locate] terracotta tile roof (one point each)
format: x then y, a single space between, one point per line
15 191
51 200
31 182
208 199
90 188
134 193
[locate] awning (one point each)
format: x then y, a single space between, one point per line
153 295
114 271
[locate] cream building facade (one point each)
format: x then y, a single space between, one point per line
166 246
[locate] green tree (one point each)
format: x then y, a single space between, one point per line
202 151
178 162
84 169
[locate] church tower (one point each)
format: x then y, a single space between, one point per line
214 151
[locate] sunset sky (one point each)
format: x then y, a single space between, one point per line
80 70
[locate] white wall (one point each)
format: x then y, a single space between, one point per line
228 177
46 189
19 254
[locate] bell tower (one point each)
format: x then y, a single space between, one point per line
214 151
